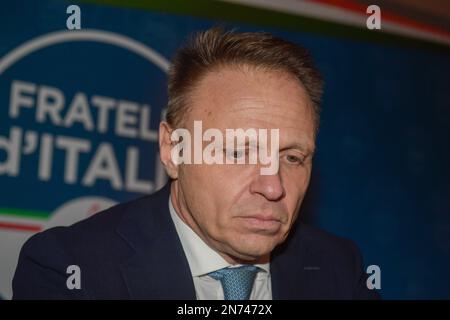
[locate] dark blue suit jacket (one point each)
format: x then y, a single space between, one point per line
132 251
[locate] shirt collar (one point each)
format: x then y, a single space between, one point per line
202 259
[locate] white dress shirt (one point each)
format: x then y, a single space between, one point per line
202 260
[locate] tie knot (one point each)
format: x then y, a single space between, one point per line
237 282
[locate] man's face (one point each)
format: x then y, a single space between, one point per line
233 208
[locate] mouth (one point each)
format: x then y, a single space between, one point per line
268 224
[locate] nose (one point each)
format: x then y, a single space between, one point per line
269 186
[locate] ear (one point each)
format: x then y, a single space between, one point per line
165 148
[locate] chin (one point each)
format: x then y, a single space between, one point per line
254 247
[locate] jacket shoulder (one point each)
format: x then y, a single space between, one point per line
89 232
92 244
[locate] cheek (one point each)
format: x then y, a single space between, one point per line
209 194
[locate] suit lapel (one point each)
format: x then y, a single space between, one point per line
157 268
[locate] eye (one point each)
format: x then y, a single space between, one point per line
235 154
295 159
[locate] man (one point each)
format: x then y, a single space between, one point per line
217 230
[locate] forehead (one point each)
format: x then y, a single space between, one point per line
236 97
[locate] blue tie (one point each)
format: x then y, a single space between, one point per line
237 283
